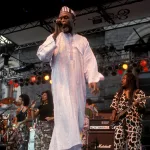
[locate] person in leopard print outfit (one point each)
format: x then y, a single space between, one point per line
128 129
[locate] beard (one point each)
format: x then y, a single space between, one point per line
66 28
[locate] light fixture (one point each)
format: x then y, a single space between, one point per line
46 77
33 79
125 66
143 63
50 81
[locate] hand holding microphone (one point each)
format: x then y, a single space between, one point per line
58 22
58 28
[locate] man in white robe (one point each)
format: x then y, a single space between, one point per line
72 62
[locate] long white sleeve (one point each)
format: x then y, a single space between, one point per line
90 66
45 51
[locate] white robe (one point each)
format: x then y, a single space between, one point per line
72 60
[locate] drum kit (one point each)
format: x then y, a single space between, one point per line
9 130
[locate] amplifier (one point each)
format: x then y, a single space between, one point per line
100 140
99 124
2 146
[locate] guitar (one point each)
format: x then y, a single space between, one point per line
17 124
122 113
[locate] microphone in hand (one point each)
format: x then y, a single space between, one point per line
58 22
58 28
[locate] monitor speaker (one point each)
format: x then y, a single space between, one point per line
100 140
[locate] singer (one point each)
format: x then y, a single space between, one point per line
72 60
44 126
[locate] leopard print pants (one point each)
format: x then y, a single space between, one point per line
129 135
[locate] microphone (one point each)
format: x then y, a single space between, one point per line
58 22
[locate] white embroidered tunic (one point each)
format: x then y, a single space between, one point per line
72 61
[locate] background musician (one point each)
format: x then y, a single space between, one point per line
45 124
129 127
95 110
22 113
21 128
88 114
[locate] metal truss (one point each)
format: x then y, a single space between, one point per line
127 24
111 58
116 26
86 11
91 31
4 41
20 28
37 43
42 23
105 15
119 3
96 30
47 24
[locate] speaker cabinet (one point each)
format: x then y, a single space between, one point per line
100 140
2 147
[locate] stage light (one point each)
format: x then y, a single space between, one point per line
145 69
116 67
125 66
43 82
138 70
26 84
33 79
120 71
27 79
39 73
21 84
134 65
16 81
46 77
38 82
39 78
109 68
143 63
34 73
21 80
113 73
16 85
10 82
50 81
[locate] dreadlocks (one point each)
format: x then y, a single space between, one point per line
131 84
